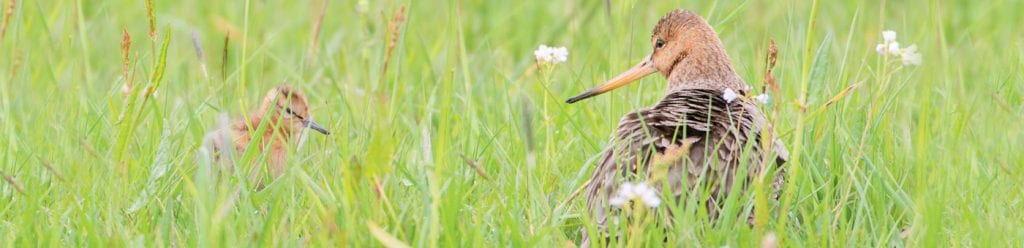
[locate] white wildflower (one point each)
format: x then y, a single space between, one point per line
552 55
542 52
561 54
890 46
729 95
889 36
622 196
629 191
763 98
894 48
909 56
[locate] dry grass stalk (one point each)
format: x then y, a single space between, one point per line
199 54
224 57
773 56
87 146
385 238
841 94
16 64
14 183
126 44
476 166
49 167
7 17
151 13
768 135
315 36
393 28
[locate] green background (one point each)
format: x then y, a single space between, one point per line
934 149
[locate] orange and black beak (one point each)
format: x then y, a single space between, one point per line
637 72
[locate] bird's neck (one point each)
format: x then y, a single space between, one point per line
707 67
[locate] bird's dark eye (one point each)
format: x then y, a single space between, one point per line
290 112
659 43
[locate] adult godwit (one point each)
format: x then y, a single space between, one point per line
702 130
288 113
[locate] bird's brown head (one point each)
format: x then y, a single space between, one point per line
687 51
289 108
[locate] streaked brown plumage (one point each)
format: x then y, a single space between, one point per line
693 130
288 113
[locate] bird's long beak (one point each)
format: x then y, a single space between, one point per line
637 72
310 124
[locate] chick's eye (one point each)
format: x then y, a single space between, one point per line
659 43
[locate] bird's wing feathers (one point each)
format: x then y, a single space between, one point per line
713 130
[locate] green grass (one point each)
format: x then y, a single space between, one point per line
935 148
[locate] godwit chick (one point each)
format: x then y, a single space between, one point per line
698 131
286 112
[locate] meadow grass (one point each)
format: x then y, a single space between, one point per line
464 141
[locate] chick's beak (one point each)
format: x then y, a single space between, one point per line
637 72
310 124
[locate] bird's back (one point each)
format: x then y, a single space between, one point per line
691 133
